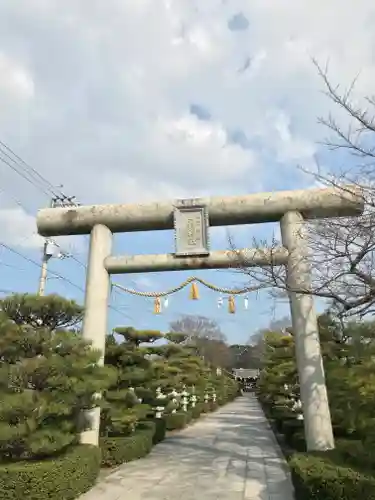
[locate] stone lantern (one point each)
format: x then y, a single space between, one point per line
159 409
174 395
185 400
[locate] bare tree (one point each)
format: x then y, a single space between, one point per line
342 250
251 354
281 325
197 327
207 337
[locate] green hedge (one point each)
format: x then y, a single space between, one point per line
213 406
290 426
347 472
206 408
160 430
298 441
355 453
315 477
61 478
189 416
175 421
117 450
197 410
147 426
293 432
224 400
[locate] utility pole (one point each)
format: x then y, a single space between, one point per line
44 268
45 258
56 201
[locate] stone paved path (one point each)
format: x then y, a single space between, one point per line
229 455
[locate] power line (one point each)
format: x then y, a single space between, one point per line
47 254
21 205
23 175
11 266
57 275
28 259
34 177
58 198
26 171
30 174
16 201
28 166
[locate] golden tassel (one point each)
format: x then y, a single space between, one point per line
231 305
194 292
157 305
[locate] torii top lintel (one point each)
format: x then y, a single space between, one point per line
345 201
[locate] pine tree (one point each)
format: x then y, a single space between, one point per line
349 361
51 311
128 398
349 353
278 383
47 377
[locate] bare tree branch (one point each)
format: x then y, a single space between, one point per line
342 250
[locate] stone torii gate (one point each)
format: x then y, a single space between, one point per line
191 220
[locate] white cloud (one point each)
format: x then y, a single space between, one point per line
189 148
18 228
15 82
290 147
142 282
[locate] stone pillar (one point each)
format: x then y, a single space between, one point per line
316 412
95 318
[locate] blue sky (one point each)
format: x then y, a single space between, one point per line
129 102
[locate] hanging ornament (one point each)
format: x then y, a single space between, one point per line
231 305
246 303
157 305
163 298
194 293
